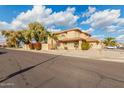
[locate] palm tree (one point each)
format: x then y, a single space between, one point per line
110 41
53 38
26 36
38 33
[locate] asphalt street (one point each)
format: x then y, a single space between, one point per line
21 69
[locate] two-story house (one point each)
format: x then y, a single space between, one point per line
72 39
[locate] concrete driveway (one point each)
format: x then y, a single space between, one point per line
38 70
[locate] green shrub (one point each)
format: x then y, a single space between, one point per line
85 46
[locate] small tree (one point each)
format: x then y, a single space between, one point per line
85 45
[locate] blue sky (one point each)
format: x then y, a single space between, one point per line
99 21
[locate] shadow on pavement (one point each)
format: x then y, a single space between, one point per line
2 53
25 69
16 73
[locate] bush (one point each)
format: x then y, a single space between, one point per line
85 46
37 46
31 46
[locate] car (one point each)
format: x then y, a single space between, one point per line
111 47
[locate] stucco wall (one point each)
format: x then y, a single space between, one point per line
26 47
45 46
50 39
61 46
70 45
82 35
73 34
62 36
95 45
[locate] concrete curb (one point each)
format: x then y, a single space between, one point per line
65 54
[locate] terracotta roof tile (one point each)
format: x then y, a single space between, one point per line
65 31
78 39
71 39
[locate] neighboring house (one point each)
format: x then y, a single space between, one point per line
72 39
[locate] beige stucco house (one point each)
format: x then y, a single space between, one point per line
72 39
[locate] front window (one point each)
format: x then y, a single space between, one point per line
76 44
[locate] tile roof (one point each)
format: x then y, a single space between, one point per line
75 29
78 39
71 39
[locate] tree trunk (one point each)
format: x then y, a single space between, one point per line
52 44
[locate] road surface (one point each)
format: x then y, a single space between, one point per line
20 69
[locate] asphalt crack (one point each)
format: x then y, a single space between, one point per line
22 75
25 69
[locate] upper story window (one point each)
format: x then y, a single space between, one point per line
63 35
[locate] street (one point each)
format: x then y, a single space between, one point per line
21 69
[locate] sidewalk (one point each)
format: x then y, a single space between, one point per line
107 55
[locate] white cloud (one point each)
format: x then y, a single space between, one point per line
4 25
44 15
120 22
102 18
71 10
53 29
106 20
62 18
101 37
90 11
38 13
120 38
112 28
121 30
89 30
